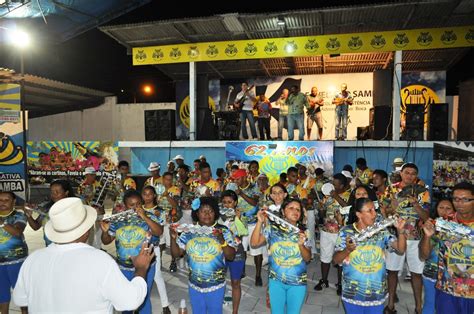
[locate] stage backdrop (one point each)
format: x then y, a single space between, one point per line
50 160
359 84
276 157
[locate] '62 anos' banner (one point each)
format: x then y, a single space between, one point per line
275 158
416 39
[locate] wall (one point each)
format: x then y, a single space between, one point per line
110 121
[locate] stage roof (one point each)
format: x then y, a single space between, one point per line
45 97
335 20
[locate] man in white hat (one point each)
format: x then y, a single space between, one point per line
70 276
179 159
155 178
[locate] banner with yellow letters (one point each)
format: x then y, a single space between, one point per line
416 39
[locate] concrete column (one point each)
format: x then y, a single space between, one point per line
396 99
192 101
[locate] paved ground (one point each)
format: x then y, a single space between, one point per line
253 298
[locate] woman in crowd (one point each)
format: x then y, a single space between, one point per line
444 208
59 189
150 205
206 255
229 201
364 287
278 194
289 253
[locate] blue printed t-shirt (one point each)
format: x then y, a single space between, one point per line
430 270
129 237
13 249
285 259
363 271
160 219
248 211
205 257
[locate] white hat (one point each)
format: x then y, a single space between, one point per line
90 170
178 157
202 157
398 160
153 166
69 219
347 174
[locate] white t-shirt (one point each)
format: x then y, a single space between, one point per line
247 101
75 278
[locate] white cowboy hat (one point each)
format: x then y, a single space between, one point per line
178 157
90 170
69 219
153 166
347 174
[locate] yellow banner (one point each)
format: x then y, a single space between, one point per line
10 96
417 39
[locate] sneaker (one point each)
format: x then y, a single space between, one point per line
320 285
338 288
166 310
258 281
173 267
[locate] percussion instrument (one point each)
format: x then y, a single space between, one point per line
454 229
375 228
327 188
281 223
123 216
197 229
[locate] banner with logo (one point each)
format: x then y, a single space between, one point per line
426 88
50 160
358 84
416 39
12 161
275 158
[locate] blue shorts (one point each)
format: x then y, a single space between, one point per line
236 269
446 303
359 309
8 277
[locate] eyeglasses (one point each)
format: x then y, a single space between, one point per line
462 199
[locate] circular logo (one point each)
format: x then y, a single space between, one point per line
367 259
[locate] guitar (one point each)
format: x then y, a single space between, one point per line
341 101
238 103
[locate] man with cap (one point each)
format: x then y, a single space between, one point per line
60 278
247 203
13 248
202 158
179 159
395 174
155 178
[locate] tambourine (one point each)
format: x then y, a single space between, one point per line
327 188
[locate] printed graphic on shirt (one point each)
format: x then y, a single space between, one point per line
286 262
12 248
248 211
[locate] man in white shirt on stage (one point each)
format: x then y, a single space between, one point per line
70 276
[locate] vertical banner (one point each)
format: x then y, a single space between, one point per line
12 166
276 157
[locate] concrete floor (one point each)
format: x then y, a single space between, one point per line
253 298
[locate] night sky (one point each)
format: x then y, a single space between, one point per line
94 60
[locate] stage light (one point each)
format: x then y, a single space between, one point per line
19 38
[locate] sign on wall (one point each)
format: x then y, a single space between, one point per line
416 39
276 157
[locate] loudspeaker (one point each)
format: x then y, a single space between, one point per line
160 125
382 123
438 122
363 133
382 88
415 120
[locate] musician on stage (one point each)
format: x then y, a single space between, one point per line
342 100
314 113
296 102
455 284
289 253
245 102
283 111
150 205
429 252
59 189
248 197
364 287
333 221
129 235
206 254
13 248
411 202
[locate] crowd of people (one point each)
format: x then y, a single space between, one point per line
291 107
210 226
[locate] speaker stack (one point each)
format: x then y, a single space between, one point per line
415 120
438 122
160 125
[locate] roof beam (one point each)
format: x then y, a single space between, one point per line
262 63
387 62
324 63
